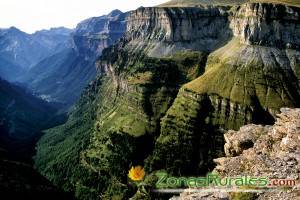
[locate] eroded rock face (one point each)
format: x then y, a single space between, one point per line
237 143
93 35
164 31
267 24
276 149
275 153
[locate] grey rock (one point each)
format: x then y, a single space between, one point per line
267 24
164 31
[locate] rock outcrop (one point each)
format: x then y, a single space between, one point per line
164 31
274 153
236 144
261 151
267 25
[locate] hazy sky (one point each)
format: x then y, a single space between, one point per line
32 15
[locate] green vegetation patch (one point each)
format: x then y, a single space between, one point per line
115 123
236 72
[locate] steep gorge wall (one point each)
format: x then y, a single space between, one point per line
267 25
93 35
164 31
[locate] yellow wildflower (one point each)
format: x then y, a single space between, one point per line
136 173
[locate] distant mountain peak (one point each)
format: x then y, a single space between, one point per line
97 24
55 30
13 29
114 13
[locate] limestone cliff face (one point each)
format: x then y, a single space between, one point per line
164 31
93 35
267 25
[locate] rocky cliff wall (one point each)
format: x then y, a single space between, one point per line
267 25
93 35
163 31
208 27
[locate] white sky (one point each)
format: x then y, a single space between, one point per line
32 15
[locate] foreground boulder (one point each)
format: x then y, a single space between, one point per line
275 153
